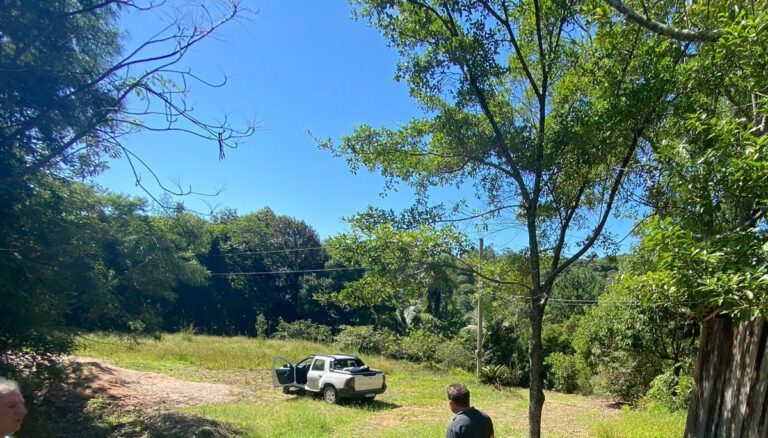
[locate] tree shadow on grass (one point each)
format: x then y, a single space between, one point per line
175 424
70 411
374 405
368 405
617 405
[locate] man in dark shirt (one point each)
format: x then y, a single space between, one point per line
468 422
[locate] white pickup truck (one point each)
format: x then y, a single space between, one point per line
334 376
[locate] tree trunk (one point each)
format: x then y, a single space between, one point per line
536 391
730 396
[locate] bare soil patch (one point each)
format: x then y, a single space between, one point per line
136 390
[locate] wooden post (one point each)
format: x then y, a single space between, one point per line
479 351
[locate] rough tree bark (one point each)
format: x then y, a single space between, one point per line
536 354
730 393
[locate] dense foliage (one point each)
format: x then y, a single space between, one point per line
70 90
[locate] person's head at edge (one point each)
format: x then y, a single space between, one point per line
458 397
12 410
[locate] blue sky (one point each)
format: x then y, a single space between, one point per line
294 66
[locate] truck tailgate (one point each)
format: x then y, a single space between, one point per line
364 382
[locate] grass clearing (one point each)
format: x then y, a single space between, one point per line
635 423
414 404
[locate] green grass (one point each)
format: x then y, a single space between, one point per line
414 404
642 424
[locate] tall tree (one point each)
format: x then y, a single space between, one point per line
542 108
90 261
258 262
707 237
70 90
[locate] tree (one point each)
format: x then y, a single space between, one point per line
583 283
70 91
707 236
539 106
91 261
259 263
407 270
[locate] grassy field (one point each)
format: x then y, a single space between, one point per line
414 404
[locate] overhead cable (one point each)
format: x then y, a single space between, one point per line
299 271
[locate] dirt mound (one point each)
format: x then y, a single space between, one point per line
135 390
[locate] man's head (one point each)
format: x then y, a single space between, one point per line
12 410
458 397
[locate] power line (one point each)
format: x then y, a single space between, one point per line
266 252
299 271
559 301
287 250
578 302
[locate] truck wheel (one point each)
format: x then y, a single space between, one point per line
330 395
286 390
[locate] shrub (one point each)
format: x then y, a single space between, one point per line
567 373
261 326
625 376
303 329
427 322
670 392
507 340
556 338
136 326
362 339
454 354
420 345
499 375
188 331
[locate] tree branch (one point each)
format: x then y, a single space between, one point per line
504 21
705 35
474 271
606 213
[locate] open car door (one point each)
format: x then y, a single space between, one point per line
283 373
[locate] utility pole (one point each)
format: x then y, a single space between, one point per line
479 351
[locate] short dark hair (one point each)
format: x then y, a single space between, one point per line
459 394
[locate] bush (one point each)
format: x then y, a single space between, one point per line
261 326
303 329
670 392
420 345
507 340
625 376
499 375
557 338
567 373
362 339
454 354
188 331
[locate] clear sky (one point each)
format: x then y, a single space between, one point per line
294 66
